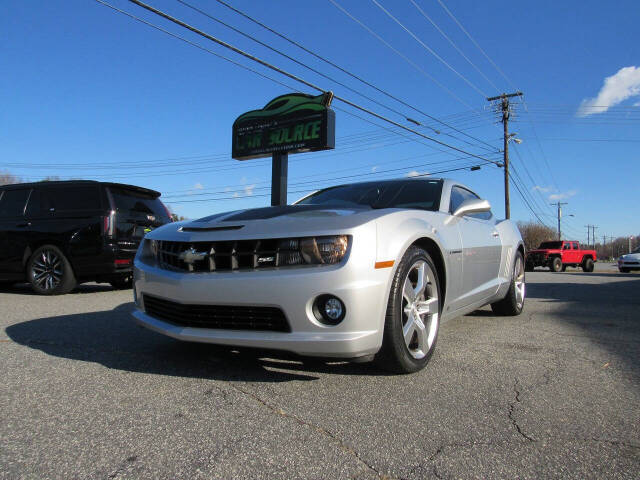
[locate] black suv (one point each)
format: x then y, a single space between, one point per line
58 234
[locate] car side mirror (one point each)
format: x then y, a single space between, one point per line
472 205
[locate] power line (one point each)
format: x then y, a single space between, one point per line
298 62
453 44
347 72
292 76
429 49
397 52
302 191
476 43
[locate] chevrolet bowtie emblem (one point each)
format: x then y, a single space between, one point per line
192 255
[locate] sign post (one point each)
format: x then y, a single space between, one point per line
292 123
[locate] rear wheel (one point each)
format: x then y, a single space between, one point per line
50 272
564 268
556 264
513 303
587 265
413 315
122 283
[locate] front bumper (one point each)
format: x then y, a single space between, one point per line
362 288
629 264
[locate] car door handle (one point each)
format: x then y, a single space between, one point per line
23 225
495 234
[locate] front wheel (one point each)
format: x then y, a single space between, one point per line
413 315
624 270
50 272
513 303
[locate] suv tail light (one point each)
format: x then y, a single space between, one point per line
107 226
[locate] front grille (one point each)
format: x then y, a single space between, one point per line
225 255
223 317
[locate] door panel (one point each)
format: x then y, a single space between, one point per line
481 252
14 231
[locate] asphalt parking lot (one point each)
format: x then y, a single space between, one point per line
553 393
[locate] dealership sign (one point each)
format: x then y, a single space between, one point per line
290 123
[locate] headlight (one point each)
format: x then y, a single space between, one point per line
312 250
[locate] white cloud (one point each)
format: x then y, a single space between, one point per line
198 186
541 189
562 195
415 173
625 83
248 190
235 195
374 169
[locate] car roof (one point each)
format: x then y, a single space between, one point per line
125 186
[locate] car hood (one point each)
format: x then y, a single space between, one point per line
281 221
631 256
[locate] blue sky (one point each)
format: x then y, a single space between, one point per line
90 93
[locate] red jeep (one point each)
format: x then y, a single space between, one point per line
560 254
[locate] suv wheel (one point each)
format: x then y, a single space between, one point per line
556 264
50 272
587 265
122 283
413 315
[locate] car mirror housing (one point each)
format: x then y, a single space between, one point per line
472 205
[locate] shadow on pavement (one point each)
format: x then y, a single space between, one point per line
25 288
604 313
112 339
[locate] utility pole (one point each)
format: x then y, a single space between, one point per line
559 205
504 108
588 233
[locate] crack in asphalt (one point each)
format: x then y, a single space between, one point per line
343 446
512 407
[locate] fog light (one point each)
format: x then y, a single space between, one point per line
329 309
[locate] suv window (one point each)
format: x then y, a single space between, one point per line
574 246
459 195
70 197
137 202
13 202
566 246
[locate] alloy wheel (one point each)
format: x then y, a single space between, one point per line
420 309
47 270
519 282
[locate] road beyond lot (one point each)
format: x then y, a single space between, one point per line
553 393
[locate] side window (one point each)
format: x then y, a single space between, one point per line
459 195
574 246
566 246
13 203
74 197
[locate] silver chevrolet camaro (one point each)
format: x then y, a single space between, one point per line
365 271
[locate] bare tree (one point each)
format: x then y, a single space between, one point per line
7 178
534 234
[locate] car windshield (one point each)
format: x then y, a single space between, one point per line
418 194
550 245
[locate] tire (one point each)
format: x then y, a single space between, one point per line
49 271
513 303
122 283
564 268
413 307
624 270
556 264
587 265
